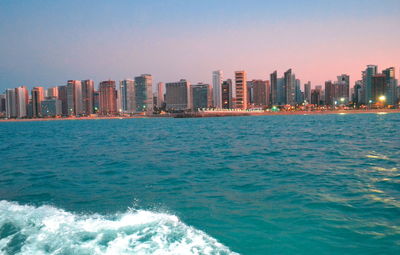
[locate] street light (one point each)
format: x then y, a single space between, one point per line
382 100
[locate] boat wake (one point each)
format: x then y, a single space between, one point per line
27 229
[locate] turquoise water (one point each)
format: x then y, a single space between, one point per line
326 184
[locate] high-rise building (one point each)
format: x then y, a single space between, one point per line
316 96
367 81
357 93
96 101
217 77
21 98
51 107
144 93
280 84
160 94
11 104
52 92
37 98
199 93
307 92
241 89
108 98
87 97
290 85
391 85
226 89
274 88
177 96
2 103
126 96
298 92
74 98
343 85
378 88
260 93
63 96
330 93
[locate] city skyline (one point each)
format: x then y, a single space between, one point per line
48 42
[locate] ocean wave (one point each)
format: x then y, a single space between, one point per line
26 229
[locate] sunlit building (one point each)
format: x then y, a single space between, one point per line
107 98
37 98
74 98
217 78
87 97
21 99
126 96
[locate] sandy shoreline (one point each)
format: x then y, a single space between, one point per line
215 114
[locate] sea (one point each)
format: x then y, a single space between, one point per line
295 184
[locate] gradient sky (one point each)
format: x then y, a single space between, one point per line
47 42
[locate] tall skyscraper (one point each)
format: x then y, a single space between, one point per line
11 104
144 93
22 98
290 92
51 107
160 94
226 89
87 97
108 98
330 93
343 82
217 77
37 98
177 95
316 96
357 93
2 103
74 98
367 81
391 85
52 92
307 92
63 96
274 88
241 89
378 88
260 93
199 94
126 96
298 92
280 95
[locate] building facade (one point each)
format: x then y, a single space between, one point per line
87 97
199 93
217 78
107 98
144 93
241 90
177 95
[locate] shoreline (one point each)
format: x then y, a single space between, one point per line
214 114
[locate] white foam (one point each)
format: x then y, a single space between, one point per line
49 230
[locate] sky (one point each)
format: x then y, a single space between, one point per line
46 42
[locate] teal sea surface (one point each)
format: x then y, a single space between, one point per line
315 184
